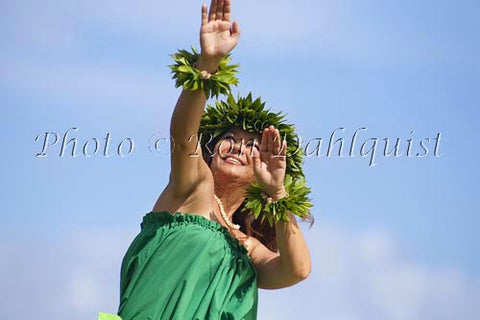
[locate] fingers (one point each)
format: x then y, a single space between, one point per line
253 158
264 141
213 10
226 10
270 143
273 143
219 10
277 142
283 151
204 14
219 15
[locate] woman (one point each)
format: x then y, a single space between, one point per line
191 261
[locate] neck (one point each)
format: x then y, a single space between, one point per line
232 197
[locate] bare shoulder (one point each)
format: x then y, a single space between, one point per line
198 201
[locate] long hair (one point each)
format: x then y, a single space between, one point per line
249 225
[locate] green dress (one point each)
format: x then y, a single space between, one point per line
185 266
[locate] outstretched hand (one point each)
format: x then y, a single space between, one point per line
217 35
270 163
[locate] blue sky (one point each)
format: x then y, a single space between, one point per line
397 240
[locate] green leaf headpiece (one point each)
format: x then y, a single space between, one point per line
252 116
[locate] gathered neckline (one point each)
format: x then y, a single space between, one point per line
165 216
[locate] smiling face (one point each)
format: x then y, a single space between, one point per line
229 160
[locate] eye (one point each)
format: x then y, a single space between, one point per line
229 141
230 138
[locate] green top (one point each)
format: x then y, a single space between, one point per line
185 266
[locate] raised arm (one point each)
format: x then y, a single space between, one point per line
218 36
292 263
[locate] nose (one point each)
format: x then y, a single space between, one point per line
233 146
237 147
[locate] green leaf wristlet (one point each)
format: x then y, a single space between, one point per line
296 202
190 78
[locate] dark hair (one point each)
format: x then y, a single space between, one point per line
249 225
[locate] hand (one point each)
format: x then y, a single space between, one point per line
269 164
217 35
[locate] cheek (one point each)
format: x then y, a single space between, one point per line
223 150
214 161
225 147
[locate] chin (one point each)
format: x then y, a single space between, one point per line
232 171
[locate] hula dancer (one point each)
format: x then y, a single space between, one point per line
225 224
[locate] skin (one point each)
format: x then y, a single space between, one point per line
193 183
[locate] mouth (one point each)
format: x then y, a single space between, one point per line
233 160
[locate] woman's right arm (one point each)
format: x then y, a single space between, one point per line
217 38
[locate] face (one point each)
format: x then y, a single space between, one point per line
229 160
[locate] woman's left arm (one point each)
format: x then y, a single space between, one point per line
292 264
286 268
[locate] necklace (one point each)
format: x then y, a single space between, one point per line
224 215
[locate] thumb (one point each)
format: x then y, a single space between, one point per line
235 29
256 160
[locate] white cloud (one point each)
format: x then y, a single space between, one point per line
366 33
367 275
72 278
47 50
355 275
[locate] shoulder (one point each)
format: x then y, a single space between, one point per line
199 200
